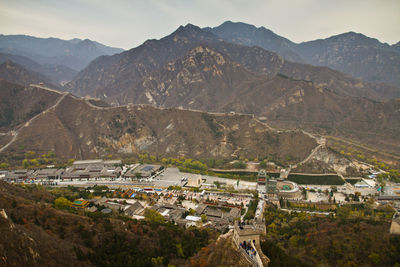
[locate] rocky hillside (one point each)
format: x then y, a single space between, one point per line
357 55
111 75
107 77
15 73
203 79
161 132
59 74
207 80
19 104
351 53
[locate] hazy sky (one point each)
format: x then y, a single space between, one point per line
128 23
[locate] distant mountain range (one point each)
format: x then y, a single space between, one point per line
75 53
57 59
59 74
121 74
351 53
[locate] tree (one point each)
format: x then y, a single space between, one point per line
51 154
271 228
29 154
294 241
25 163
203 218
374 257
153 216
62 203
143 157
179 250
263 164
34 162
239 165
157 261
4 165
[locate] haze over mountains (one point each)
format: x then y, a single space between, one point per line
16 73
59 60
219 70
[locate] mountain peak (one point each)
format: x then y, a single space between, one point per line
249 35
243 26
188 28
191 26
350 36
191 32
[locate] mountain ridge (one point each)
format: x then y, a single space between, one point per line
208 80
352 53
55 74
60 59
110 76
137 129
16 73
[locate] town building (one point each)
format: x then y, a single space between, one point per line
194 181
47 174
220 215
92 170
17 176
83 164
80 204
144 171
261 181
134 209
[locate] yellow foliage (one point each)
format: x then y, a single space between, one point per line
62 203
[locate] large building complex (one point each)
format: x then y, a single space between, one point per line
277 188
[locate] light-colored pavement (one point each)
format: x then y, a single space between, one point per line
170 176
